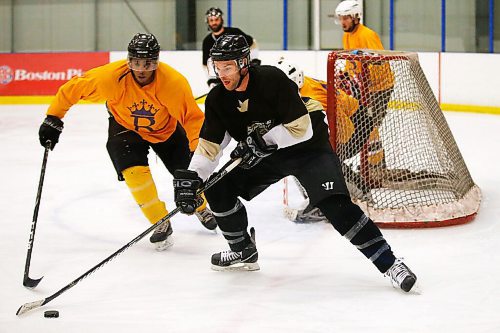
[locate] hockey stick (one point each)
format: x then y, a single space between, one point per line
199 99
27 281
209 183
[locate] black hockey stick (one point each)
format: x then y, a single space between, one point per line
199 98
214 179
27 281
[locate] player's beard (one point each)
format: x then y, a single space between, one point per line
217 28
351 27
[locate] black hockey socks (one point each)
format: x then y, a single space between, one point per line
350 221
233 224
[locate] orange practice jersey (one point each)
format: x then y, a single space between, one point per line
151 111
346 105
381 77
362 38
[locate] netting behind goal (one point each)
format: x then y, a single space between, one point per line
400 160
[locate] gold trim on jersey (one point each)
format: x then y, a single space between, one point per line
313 105
298 127
208 149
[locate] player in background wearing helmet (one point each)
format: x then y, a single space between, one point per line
314 95
348 14
150 105
215 23
260 108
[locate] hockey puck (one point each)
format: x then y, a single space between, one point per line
51 314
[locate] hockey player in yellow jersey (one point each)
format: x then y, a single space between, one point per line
316 90
314 95
150 105
357 36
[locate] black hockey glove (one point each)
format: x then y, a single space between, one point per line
252 150
186 185
50 130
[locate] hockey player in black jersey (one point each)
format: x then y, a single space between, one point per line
215 23
261 109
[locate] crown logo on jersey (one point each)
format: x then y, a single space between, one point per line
143 114
243 106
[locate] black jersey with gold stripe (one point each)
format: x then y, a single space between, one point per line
271 99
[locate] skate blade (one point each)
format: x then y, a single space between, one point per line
210 227
163 245
239 267
416 289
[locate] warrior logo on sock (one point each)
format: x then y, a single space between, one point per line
144 117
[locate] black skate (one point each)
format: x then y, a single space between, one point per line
207 218
161 236
245 260
401 276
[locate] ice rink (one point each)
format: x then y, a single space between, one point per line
311 279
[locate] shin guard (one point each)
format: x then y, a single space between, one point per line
143 189
233 224
350 221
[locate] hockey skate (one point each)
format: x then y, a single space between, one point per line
245 260
206 218
161 236
401 276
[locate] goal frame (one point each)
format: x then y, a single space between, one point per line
462 211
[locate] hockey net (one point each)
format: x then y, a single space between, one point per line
399 158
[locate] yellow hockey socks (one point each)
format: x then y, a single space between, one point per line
203 205
143 189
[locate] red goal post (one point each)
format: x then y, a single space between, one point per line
399 158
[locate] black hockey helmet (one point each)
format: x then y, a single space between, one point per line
213 12
230 47
144 46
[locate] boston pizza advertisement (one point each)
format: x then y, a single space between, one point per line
32 74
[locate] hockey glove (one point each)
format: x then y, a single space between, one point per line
252 150
186 185
50 130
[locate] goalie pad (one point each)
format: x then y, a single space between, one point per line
307 215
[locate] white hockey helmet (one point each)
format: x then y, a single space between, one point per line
291 70
349 7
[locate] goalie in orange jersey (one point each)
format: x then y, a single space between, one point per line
352 130
150 105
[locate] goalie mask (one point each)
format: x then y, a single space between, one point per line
291 70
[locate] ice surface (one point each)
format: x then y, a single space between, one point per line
311 279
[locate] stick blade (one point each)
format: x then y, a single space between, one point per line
29 306
31 283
